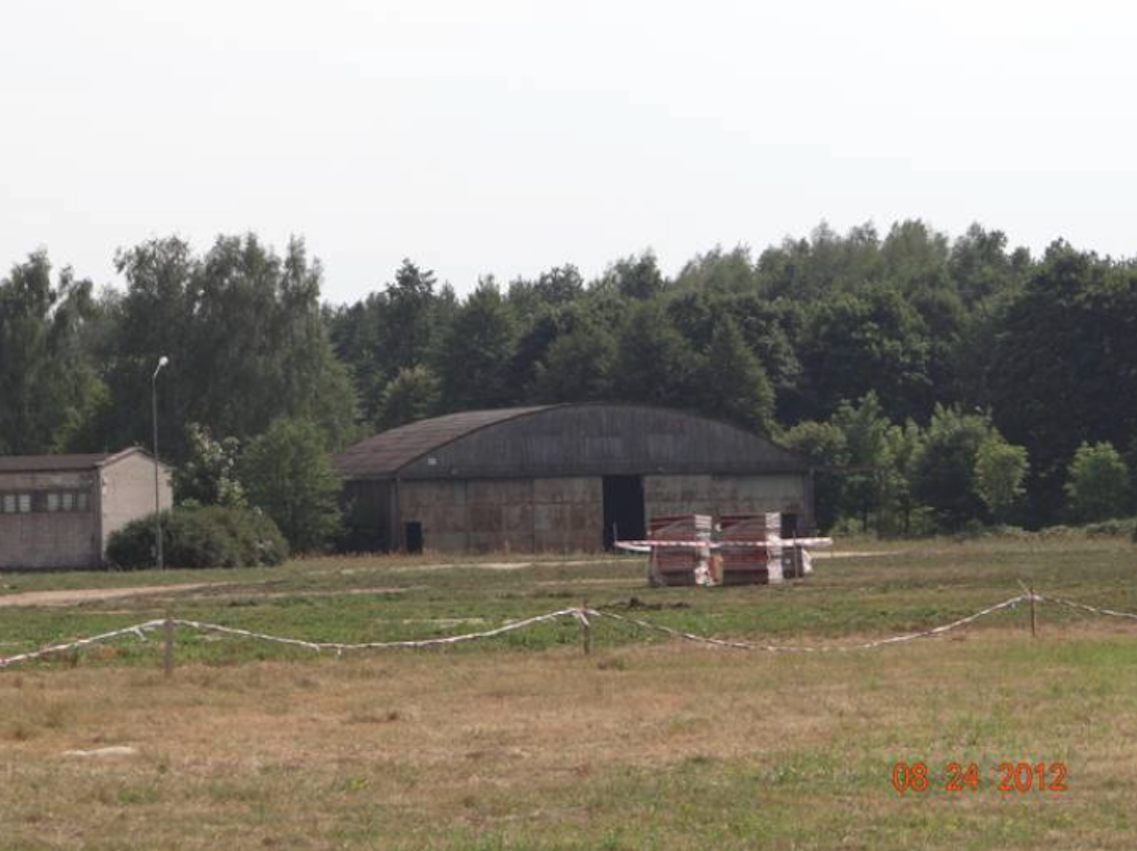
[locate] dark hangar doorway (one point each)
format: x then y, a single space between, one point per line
623 509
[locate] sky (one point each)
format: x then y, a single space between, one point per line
506 137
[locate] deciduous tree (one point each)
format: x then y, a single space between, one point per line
287 473
1097 483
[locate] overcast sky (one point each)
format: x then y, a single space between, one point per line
506 137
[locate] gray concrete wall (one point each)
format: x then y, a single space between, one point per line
506 515
441 509
567 514
724 494
128 493
50 539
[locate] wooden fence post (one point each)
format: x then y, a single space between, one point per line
586 628
1033 614
168 646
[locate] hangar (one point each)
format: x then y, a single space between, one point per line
569 477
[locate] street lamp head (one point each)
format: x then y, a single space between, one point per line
162 361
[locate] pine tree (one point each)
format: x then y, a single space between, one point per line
737 387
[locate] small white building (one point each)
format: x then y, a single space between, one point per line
60 510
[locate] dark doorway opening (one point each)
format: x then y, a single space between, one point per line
413 537
623 509
789 526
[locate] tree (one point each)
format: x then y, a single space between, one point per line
823 446
406 330
905 444
635 277
736 386
913 254
473 361
411 395
873 341
815 269
1097 483
654 363
48 391
208 476
718 271
1000 470
1131 463
866 430
1065 364
697 314
288 473
577 367
390 330
981 266
537 334
561 285
557 288
245 336
945 472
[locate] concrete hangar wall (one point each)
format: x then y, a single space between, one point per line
560 477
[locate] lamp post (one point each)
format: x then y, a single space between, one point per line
162 361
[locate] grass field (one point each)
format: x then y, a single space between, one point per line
524 742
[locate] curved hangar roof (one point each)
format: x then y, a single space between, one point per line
564 440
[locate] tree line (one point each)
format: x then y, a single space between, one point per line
933 382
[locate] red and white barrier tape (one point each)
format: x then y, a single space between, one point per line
380 645
820 648
1086 608
138 630
141 629
758 543
580 614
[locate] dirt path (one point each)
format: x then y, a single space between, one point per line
83 595
495 565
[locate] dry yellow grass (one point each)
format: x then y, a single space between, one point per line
666 746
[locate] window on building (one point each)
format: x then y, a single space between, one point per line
14 502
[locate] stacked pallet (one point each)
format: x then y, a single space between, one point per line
751 549
796 561
684 564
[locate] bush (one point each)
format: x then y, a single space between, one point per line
200 537
1097 483
1111 529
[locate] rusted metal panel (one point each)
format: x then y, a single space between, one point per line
565 440
386 453
725 494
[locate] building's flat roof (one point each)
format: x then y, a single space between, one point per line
63 463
